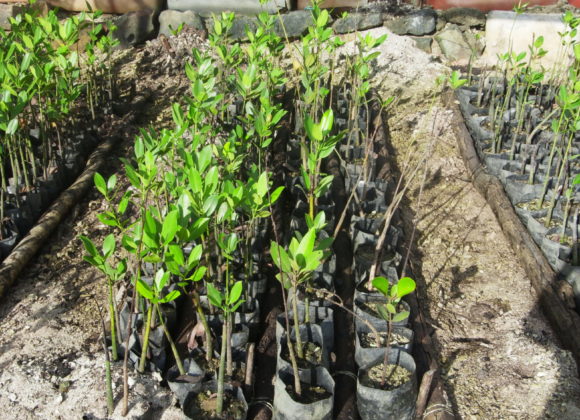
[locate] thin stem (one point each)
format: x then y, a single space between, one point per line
387 348
143 360
112 316
221 371
299 349
171 342
203 319
108 379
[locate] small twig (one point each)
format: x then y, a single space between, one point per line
250 365
423 395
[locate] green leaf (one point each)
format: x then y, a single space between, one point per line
235 292
276 194
237 305
89 246
150 225
307 243
12 126
198 274
198 228
109 245
132 175
322 19
383 312
314 260
214 295
171 296
95 262
280 257
175 254
327 121
121 268
313 130
161 278
112 181
327 147
195 181
129 244
124 203
170 226
381 284
210 204
401 316
100 183
405 286
144 290
195 256
325 244
391 308
262 184
324 185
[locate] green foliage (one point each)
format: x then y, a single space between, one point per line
102 259
393 295
455 80
302 257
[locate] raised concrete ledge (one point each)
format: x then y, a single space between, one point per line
505 27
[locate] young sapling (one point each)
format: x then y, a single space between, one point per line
389 310
113 273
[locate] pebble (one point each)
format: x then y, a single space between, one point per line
12 397
131 382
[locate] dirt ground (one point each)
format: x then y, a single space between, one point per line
500 357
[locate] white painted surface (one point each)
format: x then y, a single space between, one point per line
505 27
247 7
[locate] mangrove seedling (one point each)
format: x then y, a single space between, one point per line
113 273
153 294
297 264
321 145
228 302
389 311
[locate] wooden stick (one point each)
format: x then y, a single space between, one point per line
49 221
250 365
424 390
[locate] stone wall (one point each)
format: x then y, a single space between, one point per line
457 35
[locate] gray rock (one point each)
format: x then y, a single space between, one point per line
423 43
357 22
453 45
420 22
440 22
241 25
6 12
134 28
171 19
296 23
475 40
472 18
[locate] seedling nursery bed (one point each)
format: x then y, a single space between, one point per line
248 232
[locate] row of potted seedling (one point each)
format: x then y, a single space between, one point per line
43 75
387 382
526 127
196 225
188 227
